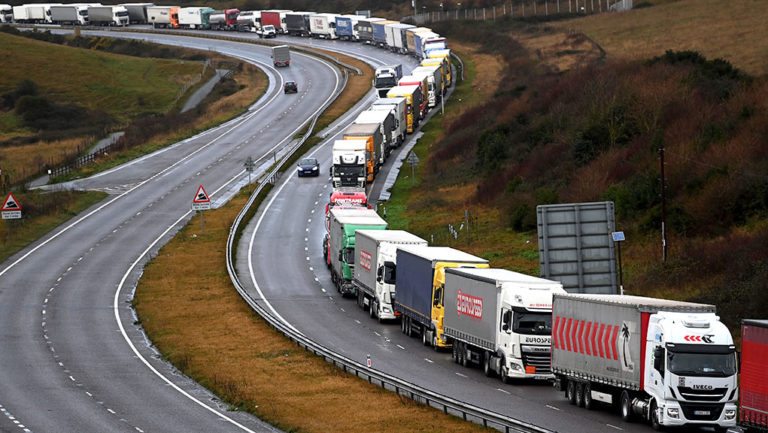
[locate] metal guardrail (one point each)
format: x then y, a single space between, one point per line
448 405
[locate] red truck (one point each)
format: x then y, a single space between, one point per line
271 18
753 413
346 196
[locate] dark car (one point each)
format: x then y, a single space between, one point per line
290 87
308 167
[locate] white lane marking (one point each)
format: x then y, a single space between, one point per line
503 390
358 322
429 360
401 347
553 407
110 411
460 374
343 310
614 427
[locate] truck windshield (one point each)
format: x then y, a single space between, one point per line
526 322
701 364
383 82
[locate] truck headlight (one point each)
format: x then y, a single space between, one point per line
730 414
387 310
516 367
673 412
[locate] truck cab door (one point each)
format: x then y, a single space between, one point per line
656 366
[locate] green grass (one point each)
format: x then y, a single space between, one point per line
125 87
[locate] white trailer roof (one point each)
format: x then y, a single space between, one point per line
641 302
445 254
502 276
391 236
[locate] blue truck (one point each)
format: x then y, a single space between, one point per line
380 32
346 27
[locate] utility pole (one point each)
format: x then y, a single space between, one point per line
663 204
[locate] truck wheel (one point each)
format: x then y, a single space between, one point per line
570 392
504 374
424 339
402 324
372 308
487 364
360 300
464 355
655 424
454 352
434 343
588 403
626 406
408 329
580 395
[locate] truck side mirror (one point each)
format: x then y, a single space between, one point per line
341 256
379 274
658 359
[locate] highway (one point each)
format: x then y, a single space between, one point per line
72 358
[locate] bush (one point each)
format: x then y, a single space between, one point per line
24 88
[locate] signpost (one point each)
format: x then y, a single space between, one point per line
11 209
414 161
202 203
618 238
249 166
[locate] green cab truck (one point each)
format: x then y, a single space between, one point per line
340 242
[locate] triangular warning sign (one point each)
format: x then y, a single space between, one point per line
201 196
10 203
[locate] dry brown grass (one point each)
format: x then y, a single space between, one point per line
733 30
200 323
557 50
22 161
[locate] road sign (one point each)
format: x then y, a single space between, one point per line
201 200
412 159
11 208
618 236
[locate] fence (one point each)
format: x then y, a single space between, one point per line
522 8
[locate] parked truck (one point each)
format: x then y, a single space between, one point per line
445 56
413 98
275 17
410 41
435 79
108 16
349 163
195 17
6 13
668 362
346 196
422 82
435 44
420 286
365 29
396 106
341 241
297 23
137 12
281 55
753 411
386 77
163 16
387 122
224 19
35 13
323 26
69 14
396 39
500 320
380 33
374 276
419 41
346 27
374 137
248 21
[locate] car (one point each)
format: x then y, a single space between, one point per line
290 87
308 167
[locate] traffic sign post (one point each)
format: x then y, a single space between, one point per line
414 161
201 202
11 208
249 166
618 238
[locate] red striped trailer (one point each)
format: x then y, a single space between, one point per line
753 413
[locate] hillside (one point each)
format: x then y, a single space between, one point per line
590 129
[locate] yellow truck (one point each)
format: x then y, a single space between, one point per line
413 98
445 56
373 137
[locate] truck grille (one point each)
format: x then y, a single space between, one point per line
715 394
542 362
702 411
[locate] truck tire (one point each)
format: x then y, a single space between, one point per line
464 357
373 307
625 406
424 339
402 324
360 300
454 352
504 375
408 328
654 418
580 394
588 402
570 392
487 364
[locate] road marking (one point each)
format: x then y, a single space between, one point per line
358 322
553 408
503 390
429 360
614 427
377 334
401 347
72 378
460 374
322 290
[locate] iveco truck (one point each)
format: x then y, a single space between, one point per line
670 363
500 320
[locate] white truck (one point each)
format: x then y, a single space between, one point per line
195 17
374 276
70 14
435 78
37 13
668 362
163 16
387 122
397 107
6 13
386 77
323 26
248 21
348 159
342 225
108 16
396 40
500 320
281 55
137 12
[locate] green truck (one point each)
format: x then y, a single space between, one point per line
339 243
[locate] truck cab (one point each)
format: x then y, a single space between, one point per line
6 13
690 370
412 96
349 163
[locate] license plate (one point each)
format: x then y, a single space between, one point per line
701 412
540 377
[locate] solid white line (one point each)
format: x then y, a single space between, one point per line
401 347
613 426
460 374
503 390
429 360
553 408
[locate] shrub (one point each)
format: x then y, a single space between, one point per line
24 88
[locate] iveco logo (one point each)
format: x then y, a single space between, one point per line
707 338
702 387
